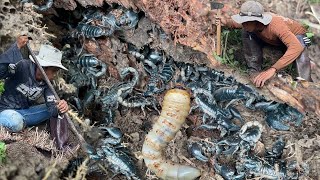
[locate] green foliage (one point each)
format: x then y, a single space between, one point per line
314 1
1 87
290 69
232 42
234 36
2 152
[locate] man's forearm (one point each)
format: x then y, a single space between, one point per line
291 54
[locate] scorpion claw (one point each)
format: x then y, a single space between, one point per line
195 151
113 131
276 124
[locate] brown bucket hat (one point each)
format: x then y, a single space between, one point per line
252 11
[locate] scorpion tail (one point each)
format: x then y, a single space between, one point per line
176 106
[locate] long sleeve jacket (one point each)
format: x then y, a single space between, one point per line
281 30
22 90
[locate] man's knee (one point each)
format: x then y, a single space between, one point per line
12 120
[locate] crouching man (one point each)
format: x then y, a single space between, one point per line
24 85
262 28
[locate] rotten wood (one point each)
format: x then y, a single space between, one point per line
303 95
192 23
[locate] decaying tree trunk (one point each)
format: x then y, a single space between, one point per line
192 23
305 96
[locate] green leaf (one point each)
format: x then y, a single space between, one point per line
1 87
218 58
309 34
2 152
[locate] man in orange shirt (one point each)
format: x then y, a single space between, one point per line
260 28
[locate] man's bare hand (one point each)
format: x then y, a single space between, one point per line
22 41
263 77
220 21
62 106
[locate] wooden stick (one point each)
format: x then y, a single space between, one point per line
219 34
83 143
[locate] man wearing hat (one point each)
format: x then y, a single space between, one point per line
260 28
24 85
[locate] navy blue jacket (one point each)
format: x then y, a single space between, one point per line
22 90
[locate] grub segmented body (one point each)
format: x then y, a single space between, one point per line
138 53
175 109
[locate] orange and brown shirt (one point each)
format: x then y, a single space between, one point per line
280 30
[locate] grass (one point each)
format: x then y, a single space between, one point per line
232 42
1 87
2 152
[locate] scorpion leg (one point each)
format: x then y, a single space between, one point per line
142 107
109 116
226 123
249 102
276 151
236 114
88 98
207 127
231 102
193 108
267 106
45 7
231 150
204 118
78 104
83 38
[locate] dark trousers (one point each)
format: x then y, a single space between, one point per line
252 48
